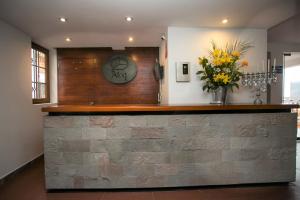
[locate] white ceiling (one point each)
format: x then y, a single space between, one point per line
100 23
286 32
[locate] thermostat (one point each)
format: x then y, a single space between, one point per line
182 71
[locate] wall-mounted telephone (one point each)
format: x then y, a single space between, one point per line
182 71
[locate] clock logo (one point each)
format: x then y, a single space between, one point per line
119 69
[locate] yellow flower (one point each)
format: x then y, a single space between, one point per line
217 62
200 60
228 59
221 77
216 53
244 63
236 54
225 54
223 60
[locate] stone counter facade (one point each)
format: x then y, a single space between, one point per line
145 151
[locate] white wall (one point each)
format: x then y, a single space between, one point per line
53 75
20 120
187 44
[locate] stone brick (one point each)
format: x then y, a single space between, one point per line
98 146
190 144
75 146
201 156
129 181
63 133
252 154
154 121
80 121
104 166
118 133
137 121
141 158
231 155
181 132
218 143
145 145
148 133
223 120
116 151
146 170
245 130
250 143
88 171
182 157
53 158
283 131
73 158
94 158
166 169
72 134
197 120
58 122
96 183
78 182
155 181
101 121
52 145
115 171
51 170
121 121
205 131
176 121
130 121
53 133
94 133
262 131
282 154
244 155
57 182
68 170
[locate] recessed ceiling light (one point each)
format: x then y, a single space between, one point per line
68 39
129 19
63 19
130 39
225 21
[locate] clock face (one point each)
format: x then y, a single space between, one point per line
119 69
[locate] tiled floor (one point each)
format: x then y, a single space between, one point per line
29 185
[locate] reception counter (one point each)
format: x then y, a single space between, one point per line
151 146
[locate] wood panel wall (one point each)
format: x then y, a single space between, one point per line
81 82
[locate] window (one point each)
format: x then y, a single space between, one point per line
40 74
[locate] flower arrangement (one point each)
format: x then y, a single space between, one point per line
223 66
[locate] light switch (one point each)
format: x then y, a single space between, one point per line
182 71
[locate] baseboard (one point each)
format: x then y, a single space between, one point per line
20 169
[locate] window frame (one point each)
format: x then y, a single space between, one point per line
47 79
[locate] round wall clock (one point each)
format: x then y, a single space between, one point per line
119 69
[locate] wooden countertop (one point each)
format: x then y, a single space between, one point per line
164 108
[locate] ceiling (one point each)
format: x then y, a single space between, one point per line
101 23
286 32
